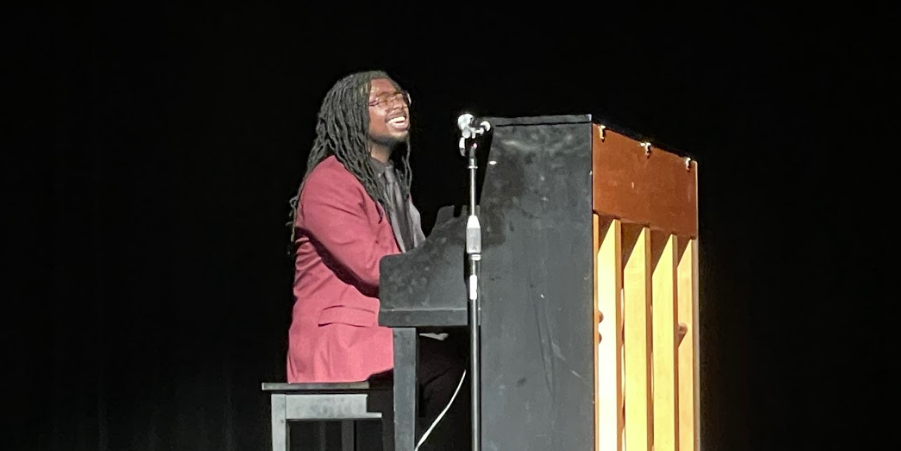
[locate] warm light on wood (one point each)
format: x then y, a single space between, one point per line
666 403
609 335
645 236
687 300
637 343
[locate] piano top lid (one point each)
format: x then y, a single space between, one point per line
539 120
496 121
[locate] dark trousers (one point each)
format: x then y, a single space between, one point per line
441 365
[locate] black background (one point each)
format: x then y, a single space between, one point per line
151 152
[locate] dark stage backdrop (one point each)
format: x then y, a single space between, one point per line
155 149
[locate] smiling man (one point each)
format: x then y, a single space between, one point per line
353 208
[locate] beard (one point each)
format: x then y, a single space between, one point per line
388 141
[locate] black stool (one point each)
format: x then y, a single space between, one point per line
345 402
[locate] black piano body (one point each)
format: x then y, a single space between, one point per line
536 287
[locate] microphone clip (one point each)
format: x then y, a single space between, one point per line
469 131
467 128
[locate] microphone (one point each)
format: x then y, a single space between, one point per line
465 124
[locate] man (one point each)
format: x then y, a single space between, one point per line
353 208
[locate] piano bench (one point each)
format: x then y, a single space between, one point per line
320 402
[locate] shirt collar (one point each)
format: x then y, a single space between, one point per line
380 167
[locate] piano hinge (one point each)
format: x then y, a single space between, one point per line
647 148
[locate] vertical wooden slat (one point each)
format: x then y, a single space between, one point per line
637 292
665 314
687 301
609 336
595 244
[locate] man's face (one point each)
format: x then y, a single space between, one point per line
389 113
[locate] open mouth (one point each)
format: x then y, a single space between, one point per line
399 122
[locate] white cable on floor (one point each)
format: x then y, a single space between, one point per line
446 408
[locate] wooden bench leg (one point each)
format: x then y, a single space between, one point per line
280 439
348 435
388 429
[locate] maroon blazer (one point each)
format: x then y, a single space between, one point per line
341 237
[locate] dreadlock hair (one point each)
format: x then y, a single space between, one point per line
342 130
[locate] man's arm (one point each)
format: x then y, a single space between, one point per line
334 216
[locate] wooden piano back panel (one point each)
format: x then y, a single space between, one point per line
645 205
647 340
636 182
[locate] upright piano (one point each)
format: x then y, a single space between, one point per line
584 224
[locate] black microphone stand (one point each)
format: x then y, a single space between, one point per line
474 257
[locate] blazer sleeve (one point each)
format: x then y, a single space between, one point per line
335 216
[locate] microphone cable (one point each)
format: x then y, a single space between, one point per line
441 415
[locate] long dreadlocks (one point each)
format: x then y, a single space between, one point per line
342 130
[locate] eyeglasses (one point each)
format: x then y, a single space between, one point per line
385 102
